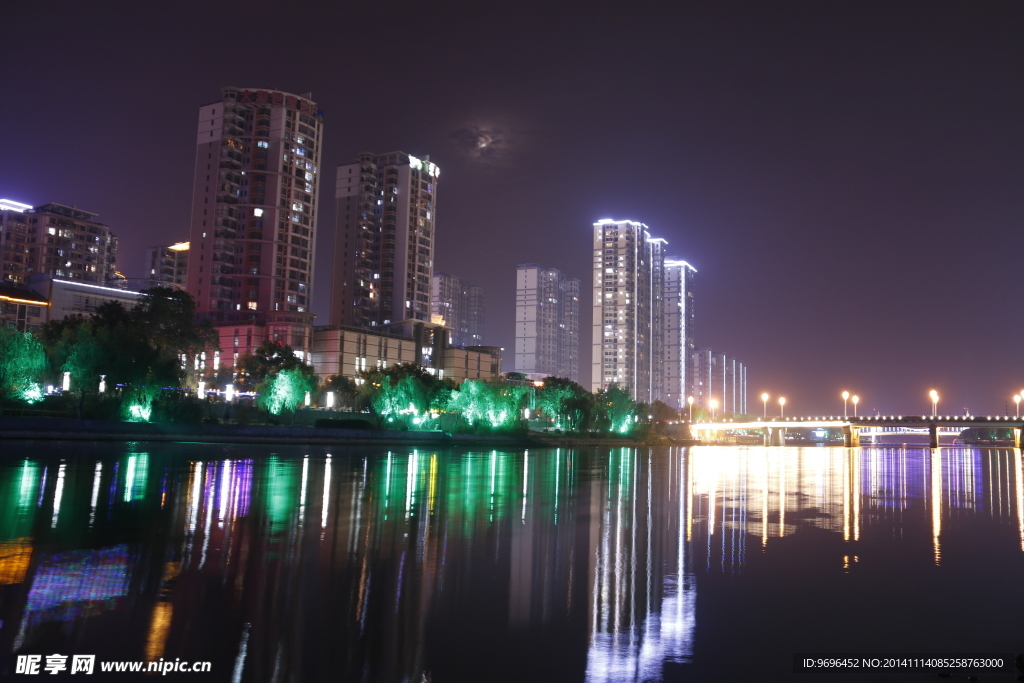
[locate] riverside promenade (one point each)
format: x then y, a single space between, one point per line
69 429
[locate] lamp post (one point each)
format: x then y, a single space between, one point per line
1016 399
782 406
856 400
764 399
689 401
846 395
935 401
712 404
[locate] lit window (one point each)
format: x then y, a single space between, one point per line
257 212
263 143
251 305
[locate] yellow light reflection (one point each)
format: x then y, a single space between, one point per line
15 555
936 502
159 627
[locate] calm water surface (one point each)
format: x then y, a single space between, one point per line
319 564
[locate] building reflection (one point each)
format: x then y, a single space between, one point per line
364 565
643 593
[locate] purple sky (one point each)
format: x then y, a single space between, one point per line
846 177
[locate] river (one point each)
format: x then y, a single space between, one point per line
290 563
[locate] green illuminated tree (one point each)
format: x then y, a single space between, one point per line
22 364
268 359
138 349
285 390
617 411
404 393
494 405
565 401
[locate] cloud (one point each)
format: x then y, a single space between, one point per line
480 142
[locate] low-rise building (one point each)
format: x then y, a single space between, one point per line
69 297
24 309
349 351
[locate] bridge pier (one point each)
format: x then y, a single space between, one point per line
1016 437
777 436
851 436
933 435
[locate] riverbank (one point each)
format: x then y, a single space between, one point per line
69 429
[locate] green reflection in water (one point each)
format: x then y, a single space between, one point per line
282 491
136 473
20 486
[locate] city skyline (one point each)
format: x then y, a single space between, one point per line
846 179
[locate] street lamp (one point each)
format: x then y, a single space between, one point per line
689 401
1016 399
846 395
782 406
713 404
764 399
856 400
935 401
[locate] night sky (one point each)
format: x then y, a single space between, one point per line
846 177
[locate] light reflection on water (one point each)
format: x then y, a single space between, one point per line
310 563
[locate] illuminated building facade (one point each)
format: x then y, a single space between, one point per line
167 264
461 306
677 366
547 322
254 213
628 308
384 241
62 241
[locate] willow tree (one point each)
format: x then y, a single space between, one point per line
22 364
285 391
617 410
493 404
404 393
567 403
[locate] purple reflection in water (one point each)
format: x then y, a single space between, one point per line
73 584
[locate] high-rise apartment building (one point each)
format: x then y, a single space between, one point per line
254 217
719 378
677 358
57 240
384 242
627 308
547 322
167 264
460 306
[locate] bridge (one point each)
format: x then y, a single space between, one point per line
774 429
